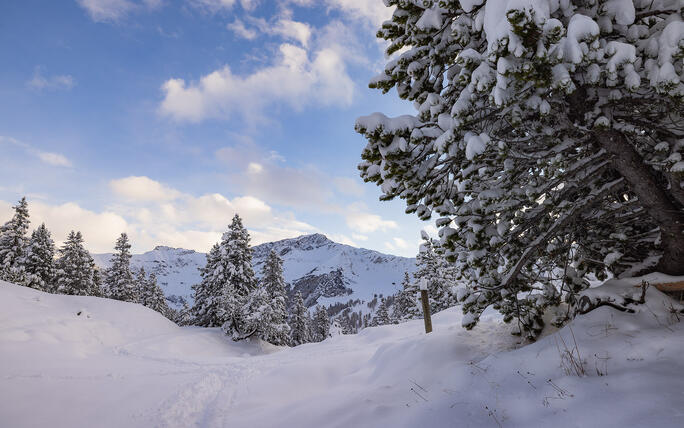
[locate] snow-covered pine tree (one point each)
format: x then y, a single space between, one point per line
154 296
96 289
227 281
143 290
299 322
381 315
238 277
207 294
406 301
184 316
40 260
321 325
74 269
119 278
547 135
278 331
13 245
256 313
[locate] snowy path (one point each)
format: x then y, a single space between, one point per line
120 365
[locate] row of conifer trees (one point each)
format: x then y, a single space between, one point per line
33 261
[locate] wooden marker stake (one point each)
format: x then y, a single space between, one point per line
426 305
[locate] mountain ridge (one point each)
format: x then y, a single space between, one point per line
325 271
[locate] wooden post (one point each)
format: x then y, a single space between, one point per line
426 305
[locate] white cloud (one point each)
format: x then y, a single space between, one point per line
364 222
40 82
359 237
113 10
215 6
296 79
49 158
142 189
238 27
348 186
265 177
373 11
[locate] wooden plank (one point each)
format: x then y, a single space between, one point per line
670 286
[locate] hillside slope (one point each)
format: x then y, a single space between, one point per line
84 361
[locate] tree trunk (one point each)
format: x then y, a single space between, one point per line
656 200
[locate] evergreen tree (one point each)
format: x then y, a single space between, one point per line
406 301
13 245
75 268
119 278
227 282
184 316
382 315
154 296
256 313
96 289
143 290
239 280
207 294
278 331
321 325
299 322
40 260
547 134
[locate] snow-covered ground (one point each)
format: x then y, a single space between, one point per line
83 362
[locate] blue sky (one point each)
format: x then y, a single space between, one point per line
163 118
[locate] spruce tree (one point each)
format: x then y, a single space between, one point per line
256 314
75 268
381 315
143 291
321 325
227 281
406 301
40 260
238 277
207 294
299 322
119 278
547 134
278 330
154 296
184 316
13 245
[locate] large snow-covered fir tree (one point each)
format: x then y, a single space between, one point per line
119 278
547 141
439 274
40 260
75 268
227 281
299 322
13 245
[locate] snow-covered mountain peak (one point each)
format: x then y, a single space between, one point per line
325 271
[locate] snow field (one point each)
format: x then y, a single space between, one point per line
120 364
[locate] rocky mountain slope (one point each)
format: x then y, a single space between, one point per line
326 272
